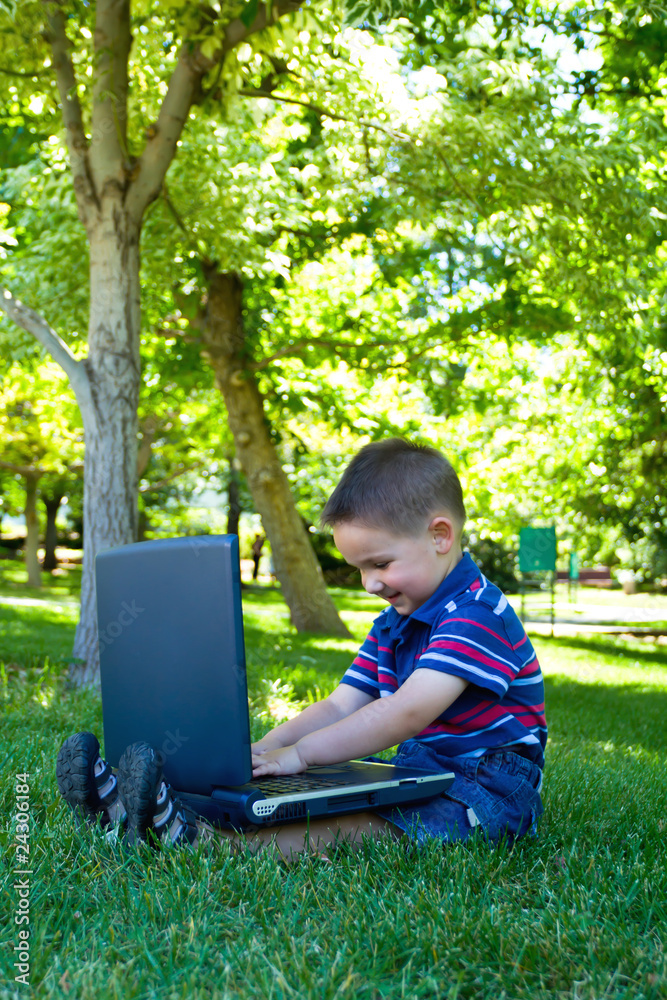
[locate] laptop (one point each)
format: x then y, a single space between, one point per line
173 673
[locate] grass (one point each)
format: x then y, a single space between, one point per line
579 913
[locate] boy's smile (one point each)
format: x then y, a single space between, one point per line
404 570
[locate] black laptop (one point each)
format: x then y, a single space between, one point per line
173 673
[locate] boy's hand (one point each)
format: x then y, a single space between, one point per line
344 700
285 760
264 745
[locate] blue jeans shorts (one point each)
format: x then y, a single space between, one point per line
497 795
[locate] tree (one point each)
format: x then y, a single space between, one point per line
548 196
116 174
243 350
493 175
42 440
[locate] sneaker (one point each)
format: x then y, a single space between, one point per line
153 811
86 781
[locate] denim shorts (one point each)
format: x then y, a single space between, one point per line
497 795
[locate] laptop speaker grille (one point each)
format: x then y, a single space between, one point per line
287 811
291 810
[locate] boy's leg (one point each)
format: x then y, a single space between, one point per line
136 796
314 837
89 786
496 796
86 781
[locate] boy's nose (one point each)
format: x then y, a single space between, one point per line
372 584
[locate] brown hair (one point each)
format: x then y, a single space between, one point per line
396 485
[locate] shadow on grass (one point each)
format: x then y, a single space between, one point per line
65 581
346 598
259 594
29 633
627 715
612 646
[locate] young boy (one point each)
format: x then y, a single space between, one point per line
447 673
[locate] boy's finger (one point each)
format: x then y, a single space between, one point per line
263 766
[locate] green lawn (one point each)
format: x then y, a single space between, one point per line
579 913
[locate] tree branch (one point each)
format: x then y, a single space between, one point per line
174 211
163 482
295 349
325 113
112 41
187 338
75 136
33 323
151 168
340 347
392 133
24 75
406 362
191 240
149 428
29 471
183 89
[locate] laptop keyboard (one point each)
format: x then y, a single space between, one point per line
282 784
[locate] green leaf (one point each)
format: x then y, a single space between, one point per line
209 47
249 12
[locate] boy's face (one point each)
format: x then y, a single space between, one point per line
405 570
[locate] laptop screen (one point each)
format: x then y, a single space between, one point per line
172 657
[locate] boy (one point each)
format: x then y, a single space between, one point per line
447 672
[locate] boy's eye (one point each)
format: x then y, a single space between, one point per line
381 565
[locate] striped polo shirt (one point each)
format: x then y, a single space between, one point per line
466 628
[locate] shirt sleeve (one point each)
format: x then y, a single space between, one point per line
472 643
363 672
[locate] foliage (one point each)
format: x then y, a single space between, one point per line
42 237
39 421
496 561
446 216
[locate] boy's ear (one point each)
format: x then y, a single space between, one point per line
443 533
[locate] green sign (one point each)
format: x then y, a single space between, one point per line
537 549
574 565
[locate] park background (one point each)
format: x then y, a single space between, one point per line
238 241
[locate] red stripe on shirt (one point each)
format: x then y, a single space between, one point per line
482 719
469 621
473 654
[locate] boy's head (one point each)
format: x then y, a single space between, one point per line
398 514
398 486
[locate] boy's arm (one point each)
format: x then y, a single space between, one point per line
343 701
378 724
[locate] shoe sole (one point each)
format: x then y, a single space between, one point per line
139 777
75 774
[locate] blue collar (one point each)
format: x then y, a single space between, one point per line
461 577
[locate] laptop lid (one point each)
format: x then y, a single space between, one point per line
172 659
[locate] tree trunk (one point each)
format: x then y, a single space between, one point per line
113 188
296 566
109 412
142 526
52 505
234 495
32 531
